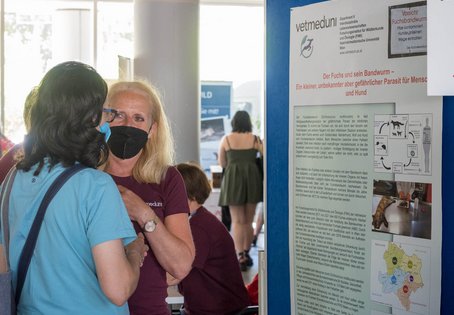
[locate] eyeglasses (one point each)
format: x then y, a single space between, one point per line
109 114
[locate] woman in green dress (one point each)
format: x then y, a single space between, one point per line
242 186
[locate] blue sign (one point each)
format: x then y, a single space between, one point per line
216 98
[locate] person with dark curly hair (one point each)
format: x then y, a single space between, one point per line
87 257
10 158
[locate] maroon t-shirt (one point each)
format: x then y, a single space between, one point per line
8 160
166 198
215 285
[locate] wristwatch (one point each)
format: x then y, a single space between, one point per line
150 226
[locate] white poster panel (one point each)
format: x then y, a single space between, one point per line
440 52
365 161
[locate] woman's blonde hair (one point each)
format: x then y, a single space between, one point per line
158 153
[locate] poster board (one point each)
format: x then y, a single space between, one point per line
364 164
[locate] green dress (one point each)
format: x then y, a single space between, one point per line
241 182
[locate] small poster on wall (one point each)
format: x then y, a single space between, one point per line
407 29
216 102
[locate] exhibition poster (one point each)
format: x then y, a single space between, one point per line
440 39
216 103
365 160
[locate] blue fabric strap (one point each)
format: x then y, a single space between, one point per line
30 243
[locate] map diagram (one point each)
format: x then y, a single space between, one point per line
403 144
397 276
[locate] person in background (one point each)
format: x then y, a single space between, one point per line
259 221
241 187
87 257
140 162
9 159
215 272
5 144
225 217
225 212
253 290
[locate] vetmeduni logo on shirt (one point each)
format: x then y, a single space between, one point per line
154 204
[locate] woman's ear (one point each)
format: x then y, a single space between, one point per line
153 129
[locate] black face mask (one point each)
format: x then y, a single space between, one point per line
126 142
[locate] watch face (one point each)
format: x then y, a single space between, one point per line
150 226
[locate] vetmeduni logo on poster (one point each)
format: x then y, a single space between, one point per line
306 46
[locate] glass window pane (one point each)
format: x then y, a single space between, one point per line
232 49
28 51
29 46
231 43
115 36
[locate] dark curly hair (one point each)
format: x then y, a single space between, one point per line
241 122
64 117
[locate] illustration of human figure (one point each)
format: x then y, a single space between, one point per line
426 143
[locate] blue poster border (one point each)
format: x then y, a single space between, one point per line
277 138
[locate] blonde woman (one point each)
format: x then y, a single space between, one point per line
140 159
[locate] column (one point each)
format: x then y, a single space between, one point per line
166 39
73 35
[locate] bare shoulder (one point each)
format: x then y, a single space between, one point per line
222 143
241 140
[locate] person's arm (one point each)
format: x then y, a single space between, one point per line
118 268
171 241
173 245
260 145
171 280
222 160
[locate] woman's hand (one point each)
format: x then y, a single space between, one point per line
118 267
171 241
137 247
138 210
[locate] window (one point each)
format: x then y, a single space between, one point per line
36 31
232 49
37 36
115 36
28 51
